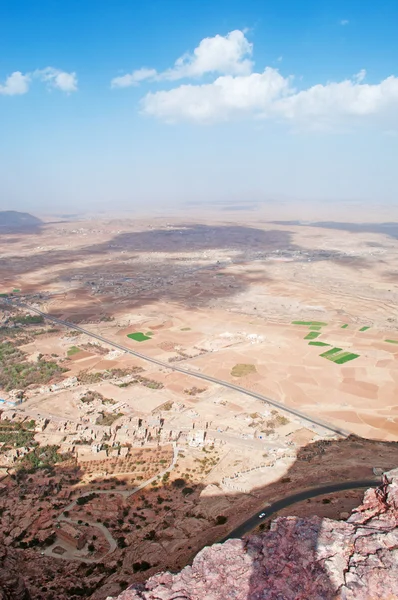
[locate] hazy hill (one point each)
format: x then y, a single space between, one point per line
16 220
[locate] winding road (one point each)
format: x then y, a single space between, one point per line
287 409
271 509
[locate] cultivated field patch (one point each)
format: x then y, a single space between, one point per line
312 335
73 350
338 356
310 323
240 370
138 336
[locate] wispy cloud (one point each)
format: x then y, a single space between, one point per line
18 83
344 22
61 80
219 54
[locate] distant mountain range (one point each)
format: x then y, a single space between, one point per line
13 219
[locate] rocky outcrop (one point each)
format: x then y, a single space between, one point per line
12 585
306 559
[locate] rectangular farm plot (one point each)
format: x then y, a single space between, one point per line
318 344
331 352
392 341
310 323
312 335
338 356
344 326
138 336
340 359
364 328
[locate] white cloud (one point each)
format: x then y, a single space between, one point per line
344 22
226 97
15 84
61 80
270 95
133 78
226 55
334 102
18 83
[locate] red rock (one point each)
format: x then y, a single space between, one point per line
298 559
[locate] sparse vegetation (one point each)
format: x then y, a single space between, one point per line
85 499
241 370
16 372
193 391
14 434
28 320
106 419
90 378
73 350
91 396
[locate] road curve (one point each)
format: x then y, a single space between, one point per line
271 509
313 421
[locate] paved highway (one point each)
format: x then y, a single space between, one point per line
271 509
311 420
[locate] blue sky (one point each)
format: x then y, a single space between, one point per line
141 103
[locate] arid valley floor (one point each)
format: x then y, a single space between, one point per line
113 466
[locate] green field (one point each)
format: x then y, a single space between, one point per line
392 341
149 333
331 352
312 335
344 357
318 344
364 328
338 356
16 291
3 295
73 350
344 326
138 336
185 329
315 327
309 323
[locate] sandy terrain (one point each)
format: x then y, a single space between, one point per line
218 295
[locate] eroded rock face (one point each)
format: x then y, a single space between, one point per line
12 585
298 559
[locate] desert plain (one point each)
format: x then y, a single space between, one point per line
156 463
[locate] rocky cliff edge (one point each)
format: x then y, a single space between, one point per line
297 559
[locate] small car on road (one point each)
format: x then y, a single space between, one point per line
261 515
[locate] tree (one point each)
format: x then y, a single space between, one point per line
179 483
